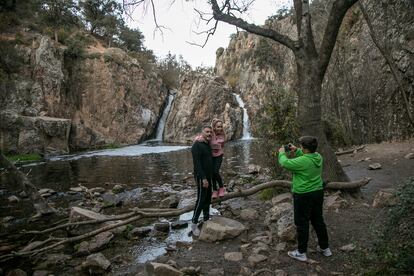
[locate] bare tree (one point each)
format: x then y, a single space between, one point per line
311 61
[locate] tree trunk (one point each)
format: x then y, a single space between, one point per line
309 87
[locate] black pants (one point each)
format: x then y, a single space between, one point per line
216 176
309 207
203 201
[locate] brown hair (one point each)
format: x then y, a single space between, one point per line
309 142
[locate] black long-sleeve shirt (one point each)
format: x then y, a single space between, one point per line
202 160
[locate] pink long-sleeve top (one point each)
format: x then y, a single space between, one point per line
217 145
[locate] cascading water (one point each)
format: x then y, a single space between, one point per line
163 119
246 126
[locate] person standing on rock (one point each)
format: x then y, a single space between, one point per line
217 146
308 194
203 174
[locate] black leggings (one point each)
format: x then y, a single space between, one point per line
309 207
203 201
216 174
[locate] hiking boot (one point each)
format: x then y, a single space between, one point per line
221 192
214 195
295 254
195 230
326 252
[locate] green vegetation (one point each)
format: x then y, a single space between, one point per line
10 60
171 68
24 157
393 253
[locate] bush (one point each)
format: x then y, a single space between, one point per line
76 45
393 253
10 60
233 80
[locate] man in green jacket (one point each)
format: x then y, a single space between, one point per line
307 191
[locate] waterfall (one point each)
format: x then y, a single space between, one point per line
163 119
246 127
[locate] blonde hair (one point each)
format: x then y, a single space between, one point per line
214 123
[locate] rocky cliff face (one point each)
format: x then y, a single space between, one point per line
200 99
361 96
105 95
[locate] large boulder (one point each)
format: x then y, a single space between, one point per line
40 134
158 269
220 228
200 99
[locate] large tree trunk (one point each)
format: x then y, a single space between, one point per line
309 87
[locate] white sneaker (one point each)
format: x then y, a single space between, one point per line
326 252
295 254
195 230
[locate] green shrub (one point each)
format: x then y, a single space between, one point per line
10 60
76 45
393 253
24 157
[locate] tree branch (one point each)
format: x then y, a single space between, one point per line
219 15
156 213
336 15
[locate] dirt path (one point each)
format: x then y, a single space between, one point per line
352 224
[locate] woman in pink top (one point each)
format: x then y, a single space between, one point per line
217 145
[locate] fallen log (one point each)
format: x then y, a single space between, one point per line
350 150
138 214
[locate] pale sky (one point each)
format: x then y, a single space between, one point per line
182 21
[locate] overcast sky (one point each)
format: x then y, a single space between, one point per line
182 21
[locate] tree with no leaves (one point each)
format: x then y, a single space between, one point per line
311 61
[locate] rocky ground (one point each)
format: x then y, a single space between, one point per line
350 221
256 239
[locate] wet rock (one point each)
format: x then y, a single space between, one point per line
179 224
162 226
254 259
158 269
41 273
17 272
46 191
233 256
97 243
23 194
220 228
178 186
171 201
348 248
96 264
190 270
111 200
286 230
118 188
286 197
141 231
13 199
76 189
374 166
98 190
248 214
276 212
384 198
216 272
253 169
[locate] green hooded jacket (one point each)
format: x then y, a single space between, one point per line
307 171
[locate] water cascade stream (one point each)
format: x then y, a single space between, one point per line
246 126
163 119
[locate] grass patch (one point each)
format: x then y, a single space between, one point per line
112 146
24 157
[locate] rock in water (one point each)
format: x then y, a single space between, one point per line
220 228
